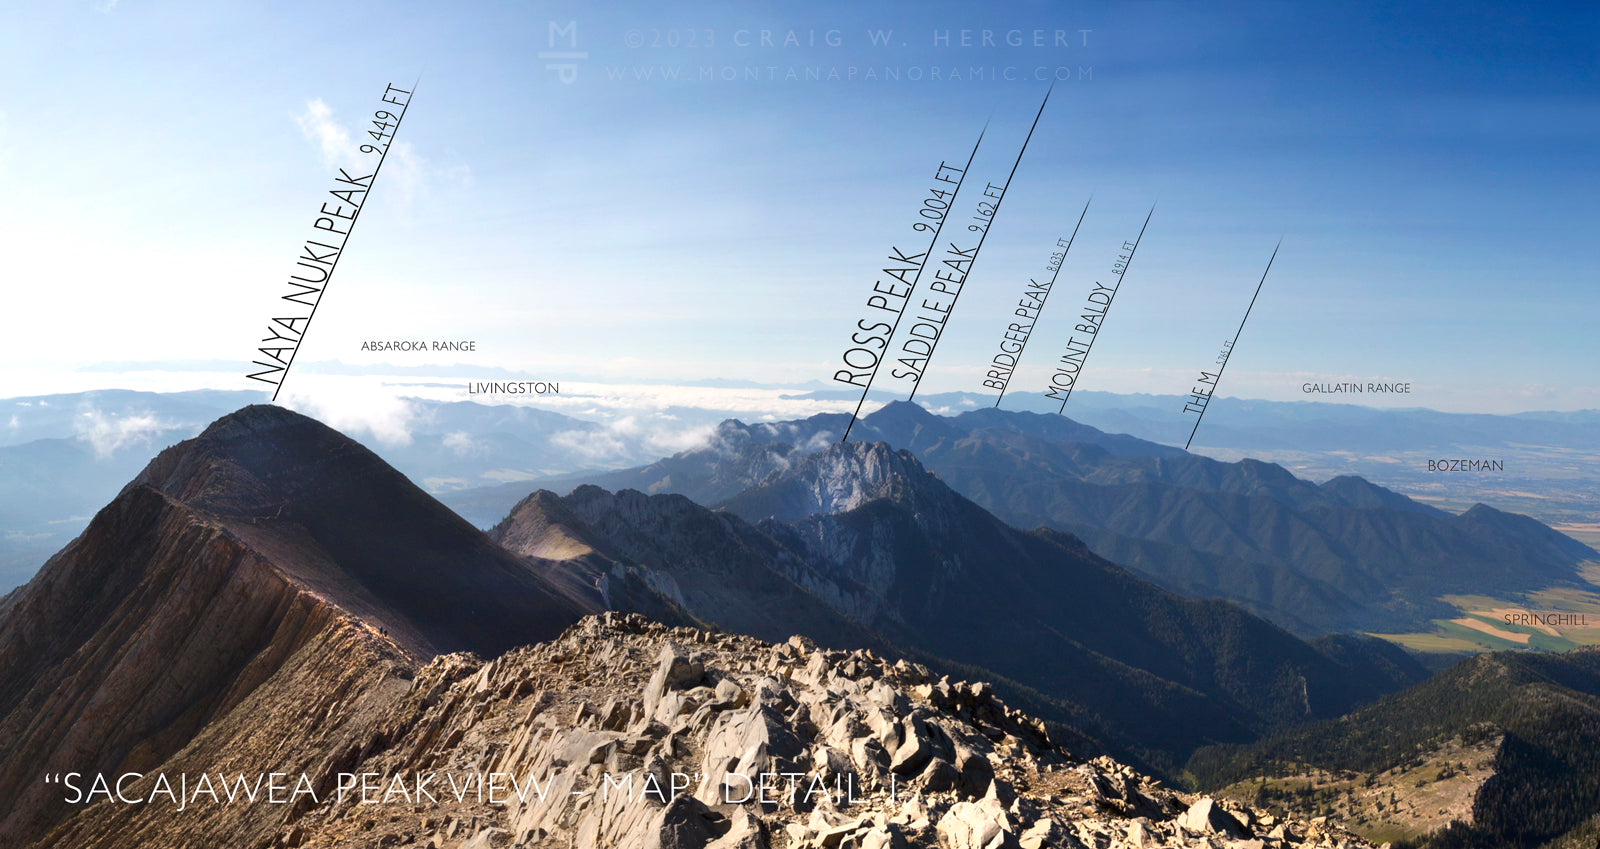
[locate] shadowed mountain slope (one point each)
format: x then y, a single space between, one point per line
1345 555
1539 712
861 543
268 546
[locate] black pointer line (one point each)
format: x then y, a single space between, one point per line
925 257
1109 301
335 266
1070 240
1235 341
990 226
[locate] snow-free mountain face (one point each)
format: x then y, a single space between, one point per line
1547 456
1346 555
64 456
1317 424
265 597
1507 740
265 567
863 533
713 565
1343 556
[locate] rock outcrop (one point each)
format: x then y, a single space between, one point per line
270 605
711 563
625 733
859 546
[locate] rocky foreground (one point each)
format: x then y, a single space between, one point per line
625 733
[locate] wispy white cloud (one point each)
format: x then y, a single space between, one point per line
414 174
656 438
410 173
356 409
819 441
332 140
106 433
509 475
462 444
630 439
407 170
25 537
601 447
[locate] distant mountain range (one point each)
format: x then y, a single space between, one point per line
1547 456
1316 423
63 456
259 591
272 594
865 531
1345 555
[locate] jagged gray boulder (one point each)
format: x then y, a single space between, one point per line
1207 817
625 733
977 825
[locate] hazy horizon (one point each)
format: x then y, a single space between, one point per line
1426 169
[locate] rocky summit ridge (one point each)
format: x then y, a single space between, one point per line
255 584
626 733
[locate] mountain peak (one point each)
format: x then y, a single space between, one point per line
841 477
542 526
732 429
902 409
331 515
1361 493
897 416
878 466
905 424
269 552
257 416
258 458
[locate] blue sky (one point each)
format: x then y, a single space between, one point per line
1430 172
